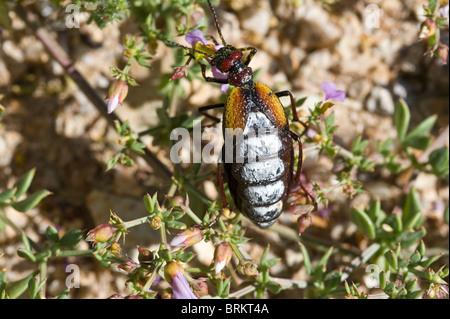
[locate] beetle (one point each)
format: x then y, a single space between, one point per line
259 164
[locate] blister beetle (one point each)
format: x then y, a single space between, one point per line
259 165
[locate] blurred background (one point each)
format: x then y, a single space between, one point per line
370 49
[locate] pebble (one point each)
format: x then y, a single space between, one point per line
380 101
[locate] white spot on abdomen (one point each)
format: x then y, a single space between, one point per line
264 194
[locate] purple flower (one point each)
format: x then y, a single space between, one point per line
219 75
331 93
195 36
175 276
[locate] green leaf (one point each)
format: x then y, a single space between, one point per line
52 234
428 262
164 254
420 142
27 254
421 248
395 222
2 284
63 294
439 160
32 287
392 259
432 5
382 279
374 210
71 238
402 117
329 121
24 182
410 238
359 145
150 202
26 242
176 224
411 285
325 257
272 262
332 280
176 214
17 288
31 201
273 287
423 128
187 256
415 294
415 258
411 209
300 101
7 194
363 222
306 259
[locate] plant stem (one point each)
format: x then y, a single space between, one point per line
58 53
192 215
43 274
162 233
135 222
242 292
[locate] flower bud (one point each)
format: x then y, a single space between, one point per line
436 291
304 221
250 269
189 237
117 93
115 249
228 213
180 72
129 266
100 234
222 256
145 256
155 222
442 52
200 287
428 28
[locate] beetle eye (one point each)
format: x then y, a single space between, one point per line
226 65
236 55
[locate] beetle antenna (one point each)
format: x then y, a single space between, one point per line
188 48
216 22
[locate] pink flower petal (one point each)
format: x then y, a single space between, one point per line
113 103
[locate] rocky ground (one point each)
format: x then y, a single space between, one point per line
49 124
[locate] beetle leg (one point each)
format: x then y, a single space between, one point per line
213 39
212 79
294 111
202 110
251 54
299 169
224 199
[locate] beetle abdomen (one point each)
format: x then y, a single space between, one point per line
259 182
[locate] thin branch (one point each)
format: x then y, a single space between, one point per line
61 56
